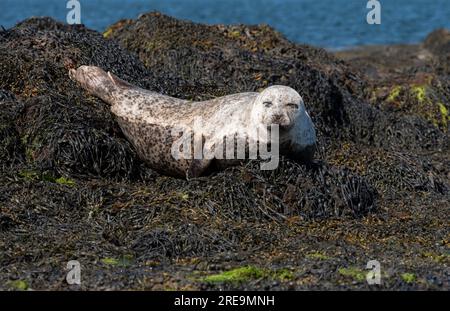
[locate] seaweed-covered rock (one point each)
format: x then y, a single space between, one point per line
407 79
11 149
60 127
72 187
438 41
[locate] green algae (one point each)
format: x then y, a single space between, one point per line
420 92
31 175
65 181
124 261
248 273
409 277
355 273
394 94
283 275
108 33
110 261
184 196
236 275
318 255
445 114
438 258
18 285
235 34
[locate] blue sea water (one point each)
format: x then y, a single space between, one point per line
333 24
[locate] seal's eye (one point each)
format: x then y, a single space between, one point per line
267 104
292 105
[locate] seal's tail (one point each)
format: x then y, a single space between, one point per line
99 83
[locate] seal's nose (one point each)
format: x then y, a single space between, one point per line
282 120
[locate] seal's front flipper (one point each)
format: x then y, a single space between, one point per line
303 154
197 168
97 82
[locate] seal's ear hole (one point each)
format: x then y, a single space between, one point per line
292 105
267 104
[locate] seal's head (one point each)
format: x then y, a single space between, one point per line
278 105
283 106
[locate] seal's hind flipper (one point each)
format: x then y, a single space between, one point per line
97 82
197 168
119 82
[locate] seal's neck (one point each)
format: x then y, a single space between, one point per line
254 112
254 119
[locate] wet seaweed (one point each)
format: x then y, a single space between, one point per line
72 187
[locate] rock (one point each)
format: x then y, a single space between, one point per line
438 41
409 81
61 128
